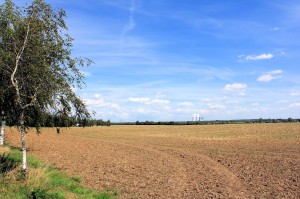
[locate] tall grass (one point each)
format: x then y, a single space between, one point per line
40 181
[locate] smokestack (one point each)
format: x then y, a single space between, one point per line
194 117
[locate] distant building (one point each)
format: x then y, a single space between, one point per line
196 117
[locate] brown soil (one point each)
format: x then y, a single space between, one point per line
214 161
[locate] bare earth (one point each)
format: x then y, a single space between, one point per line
213 161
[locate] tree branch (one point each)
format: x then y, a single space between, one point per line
18 57
33 99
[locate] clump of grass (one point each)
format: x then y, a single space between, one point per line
76 178
7 163
41 181
17 156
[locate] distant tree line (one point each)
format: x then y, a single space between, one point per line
55 120
243 121
95 122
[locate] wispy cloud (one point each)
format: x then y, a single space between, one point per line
146 111
294 105
99 102
216 106
256 57
282 101
161 65
131 23
295 93
160 95
232 101
275 29
185 104
148 101
214 99
236 87
269 76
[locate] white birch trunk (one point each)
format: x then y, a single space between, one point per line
24 161
2 131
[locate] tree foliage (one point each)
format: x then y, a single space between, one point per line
36 63
38 71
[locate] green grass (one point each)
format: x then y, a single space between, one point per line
41 181
16 155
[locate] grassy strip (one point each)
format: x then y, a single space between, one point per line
40 181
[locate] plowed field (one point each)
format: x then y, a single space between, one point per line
213 161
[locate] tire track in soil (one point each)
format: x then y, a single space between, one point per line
203 176
166 178
140 170
209 178
137 172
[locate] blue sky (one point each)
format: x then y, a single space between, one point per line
169 59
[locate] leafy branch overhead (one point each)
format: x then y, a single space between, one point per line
37 68
36 57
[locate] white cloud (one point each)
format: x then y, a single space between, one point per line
97 95
275 29
274 72
236 87
214 99
148 101
282 101
282 53
184 110
265 78
131 23
294 105
159 101
99 102
146 111
216 106
160 95
256 57
233 101
185 104
206 99
138 100
269 76
295 94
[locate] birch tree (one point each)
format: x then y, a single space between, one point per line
2 128
6 100
36 55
